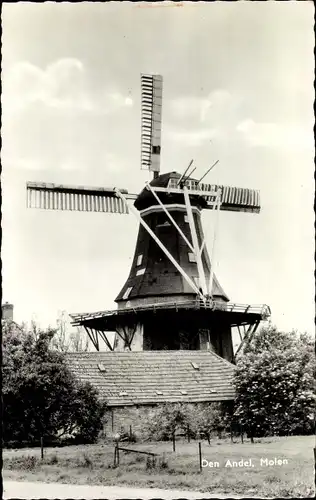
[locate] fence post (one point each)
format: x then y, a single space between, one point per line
188 431
242 433
42 448
130 432
118 454
174 441
231 433
200 456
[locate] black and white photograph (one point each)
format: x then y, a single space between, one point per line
158 250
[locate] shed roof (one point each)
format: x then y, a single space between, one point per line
151 377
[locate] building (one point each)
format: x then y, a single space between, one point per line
134 382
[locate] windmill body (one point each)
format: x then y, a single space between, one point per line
171 299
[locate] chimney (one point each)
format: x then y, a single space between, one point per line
7 311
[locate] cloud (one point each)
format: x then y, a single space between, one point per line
186 107
276 135
21 163
192 138
63 84
213 107
112 101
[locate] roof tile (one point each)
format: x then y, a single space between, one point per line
142 374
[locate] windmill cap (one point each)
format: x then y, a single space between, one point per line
146 199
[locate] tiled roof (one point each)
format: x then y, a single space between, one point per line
147 377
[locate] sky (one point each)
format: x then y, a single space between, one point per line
238 88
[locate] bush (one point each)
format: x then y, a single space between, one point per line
52 460
151 462
163 463
128 437
165 420
275 384
87 462
26 463
197 420
41 397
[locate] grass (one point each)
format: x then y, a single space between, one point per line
93 464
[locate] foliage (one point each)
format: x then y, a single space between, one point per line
40 395
164 421
206 419
197 420
65 340
275 384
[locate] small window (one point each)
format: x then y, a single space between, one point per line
101 367
156 150
128 291
213 390
173 183
186 219
159 393
122 393
196 281
192 257
139 259
195 366
140 271
184 392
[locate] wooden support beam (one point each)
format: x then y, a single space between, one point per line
170 216
160 244
106 340
198 257
91 337
218 205
240 336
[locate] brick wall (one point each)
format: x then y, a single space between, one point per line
121 419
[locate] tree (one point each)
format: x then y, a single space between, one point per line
275 384
164 421
41 397
66 339
195 420
206 419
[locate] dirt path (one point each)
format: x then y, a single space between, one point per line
28 490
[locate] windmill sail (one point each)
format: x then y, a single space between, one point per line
78 198
151 92
233 199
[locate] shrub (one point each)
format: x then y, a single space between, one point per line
86 461
151 462
163 463
41 397
275 384
197 420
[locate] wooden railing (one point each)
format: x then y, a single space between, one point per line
259 309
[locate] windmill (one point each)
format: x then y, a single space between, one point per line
172 299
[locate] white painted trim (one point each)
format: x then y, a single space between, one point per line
127 292
170 207
140 271
139 259
195 241
191 257
193 192
159 243
171 218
